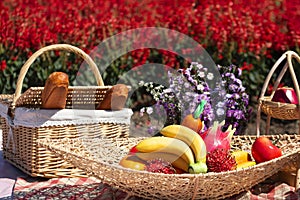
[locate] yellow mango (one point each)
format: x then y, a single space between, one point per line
241 156
246 164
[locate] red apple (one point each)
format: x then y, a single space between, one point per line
263 150
285 95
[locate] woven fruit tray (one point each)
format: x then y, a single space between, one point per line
101 158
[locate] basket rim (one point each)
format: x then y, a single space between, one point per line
70 88
79 87
266 100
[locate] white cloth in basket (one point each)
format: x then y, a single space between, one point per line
3 110
48 117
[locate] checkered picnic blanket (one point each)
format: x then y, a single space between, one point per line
65 188
92 188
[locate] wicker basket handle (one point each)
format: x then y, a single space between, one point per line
65 47
289 55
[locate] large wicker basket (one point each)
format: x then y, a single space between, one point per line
278 110
100 158
20 141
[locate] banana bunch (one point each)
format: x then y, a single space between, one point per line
179 145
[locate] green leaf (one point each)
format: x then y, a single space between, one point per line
252 77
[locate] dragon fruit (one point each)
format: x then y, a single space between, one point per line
215 138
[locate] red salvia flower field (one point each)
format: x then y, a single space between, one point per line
251 34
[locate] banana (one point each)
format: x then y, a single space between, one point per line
132 162
190 137
176 161
172 146
167 145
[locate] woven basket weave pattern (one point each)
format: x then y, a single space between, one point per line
77 97
279 110
100 158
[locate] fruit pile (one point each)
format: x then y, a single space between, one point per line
181 150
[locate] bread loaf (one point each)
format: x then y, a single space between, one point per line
115 98
55 92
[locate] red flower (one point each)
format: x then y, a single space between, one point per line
3 65
240 27
246 66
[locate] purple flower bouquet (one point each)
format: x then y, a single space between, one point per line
226 100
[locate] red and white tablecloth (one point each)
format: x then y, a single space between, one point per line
92 188
65 188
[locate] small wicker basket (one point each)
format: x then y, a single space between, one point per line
278 110
101 157
20 141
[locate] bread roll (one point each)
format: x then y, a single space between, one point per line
55 92
115 98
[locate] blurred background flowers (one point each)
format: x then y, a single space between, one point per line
245 37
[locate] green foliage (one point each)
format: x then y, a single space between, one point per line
253 77
37 72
